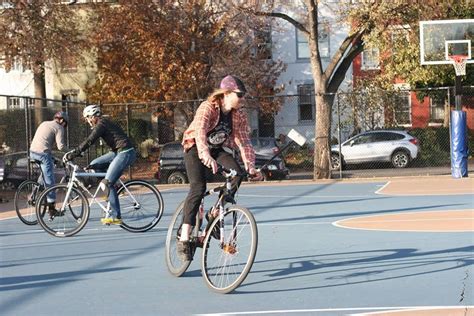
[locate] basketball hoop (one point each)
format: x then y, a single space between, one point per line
459 62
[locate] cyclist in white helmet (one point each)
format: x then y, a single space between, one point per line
46 136
121 156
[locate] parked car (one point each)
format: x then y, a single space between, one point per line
14 170
265 146
171 167
394 146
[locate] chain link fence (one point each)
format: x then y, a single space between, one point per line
424 113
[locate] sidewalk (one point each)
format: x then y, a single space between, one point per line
7 209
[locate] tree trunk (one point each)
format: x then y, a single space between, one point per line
40 95
322 132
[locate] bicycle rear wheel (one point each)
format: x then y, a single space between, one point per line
225 266
175 265
70 215
25 200
141 206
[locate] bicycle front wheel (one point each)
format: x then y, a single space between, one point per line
25 200
226 265
68 217
141 205
175 265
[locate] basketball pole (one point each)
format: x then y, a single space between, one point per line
458 133
458 93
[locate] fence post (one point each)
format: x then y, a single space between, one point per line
68 123
27 134
127 111
339 134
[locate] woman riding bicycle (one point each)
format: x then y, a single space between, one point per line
123 154
219 122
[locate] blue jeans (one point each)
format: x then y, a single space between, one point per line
119 161
47 168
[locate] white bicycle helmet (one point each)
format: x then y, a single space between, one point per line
92 110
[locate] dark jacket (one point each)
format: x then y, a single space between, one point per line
111 133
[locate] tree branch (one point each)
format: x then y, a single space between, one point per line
283 16
341 71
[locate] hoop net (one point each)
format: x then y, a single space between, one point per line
459 62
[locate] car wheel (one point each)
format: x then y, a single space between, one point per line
400 159
335 161
7 186
177 177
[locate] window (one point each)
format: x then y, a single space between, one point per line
70 95
306 102
437 108
4 4
323 39
370 59
302 47
172 151
69 64
17 66
400 38
13 103
263 47
19 103
402 108
387 136
362 139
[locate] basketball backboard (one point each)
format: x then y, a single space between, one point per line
440 39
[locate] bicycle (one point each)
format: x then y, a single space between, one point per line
229 241
27 193
230 238
140 202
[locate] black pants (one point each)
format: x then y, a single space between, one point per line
197 172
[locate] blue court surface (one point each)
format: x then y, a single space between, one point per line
305 265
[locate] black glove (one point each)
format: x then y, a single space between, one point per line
71 155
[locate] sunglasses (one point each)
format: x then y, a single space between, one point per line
240 94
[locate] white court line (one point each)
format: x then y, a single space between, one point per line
293 224
425 308
411 220
383 187
286 311
338 223
305 196
14 216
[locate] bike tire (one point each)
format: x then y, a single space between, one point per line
142 210
69 221
175 265
225 267
25 200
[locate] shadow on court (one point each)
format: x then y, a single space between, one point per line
404 263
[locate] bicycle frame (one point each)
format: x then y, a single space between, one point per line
76 175
223 191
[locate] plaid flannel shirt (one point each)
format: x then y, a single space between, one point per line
206 119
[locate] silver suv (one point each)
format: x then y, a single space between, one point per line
397 147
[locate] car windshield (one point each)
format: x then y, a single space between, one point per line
172 151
